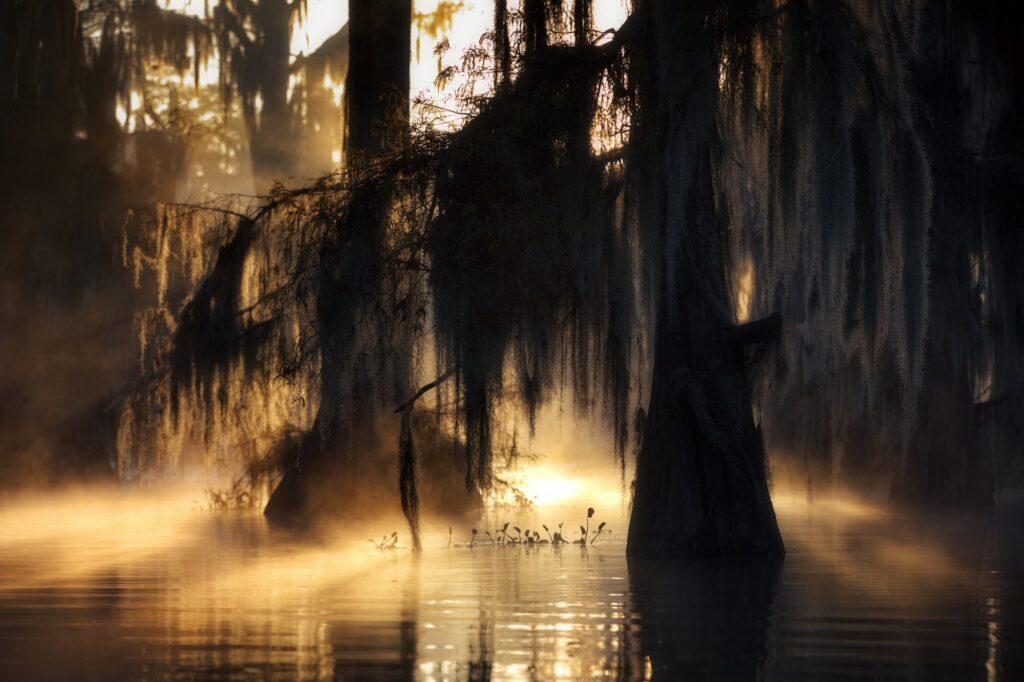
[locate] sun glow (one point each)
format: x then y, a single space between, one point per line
558 483
545 487
550 491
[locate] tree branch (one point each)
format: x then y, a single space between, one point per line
757 331
408 404
998 400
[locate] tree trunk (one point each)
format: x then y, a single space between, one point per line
1003 173
340 459
945 462
272 141
377 85
701 482
701 486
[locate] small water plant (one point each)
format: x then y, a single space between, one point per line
386 542
508 534
236 497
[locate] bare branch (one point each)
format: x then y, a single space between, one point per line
408 404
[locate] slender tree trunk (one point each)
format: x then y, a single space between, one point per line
339 460
701 486
376 101
377 85
272 141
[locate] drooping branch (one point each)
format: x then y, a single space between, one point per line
408 404
407 489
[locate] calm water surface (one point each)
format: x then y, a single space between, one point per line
133 590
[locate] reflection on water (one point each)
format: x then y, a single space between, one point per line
102 587
723 635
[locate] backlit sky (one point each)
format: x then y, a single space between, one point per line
325 17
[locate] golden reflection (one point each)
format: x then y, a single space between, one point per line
200 591
187 577
78 533
876 550
837 506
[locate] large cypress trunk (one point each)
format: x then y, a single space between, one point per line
946 462
701 484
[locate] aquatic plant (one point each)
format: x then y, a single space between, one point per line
386 541
527 536
237 496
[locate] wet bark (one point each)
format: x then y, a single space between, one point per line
701 484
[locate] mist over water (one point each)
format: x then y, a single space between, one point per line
100 584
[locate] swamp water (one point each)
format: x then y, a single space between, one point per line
119 589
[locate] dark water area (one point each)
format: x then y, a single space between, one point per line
126 591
